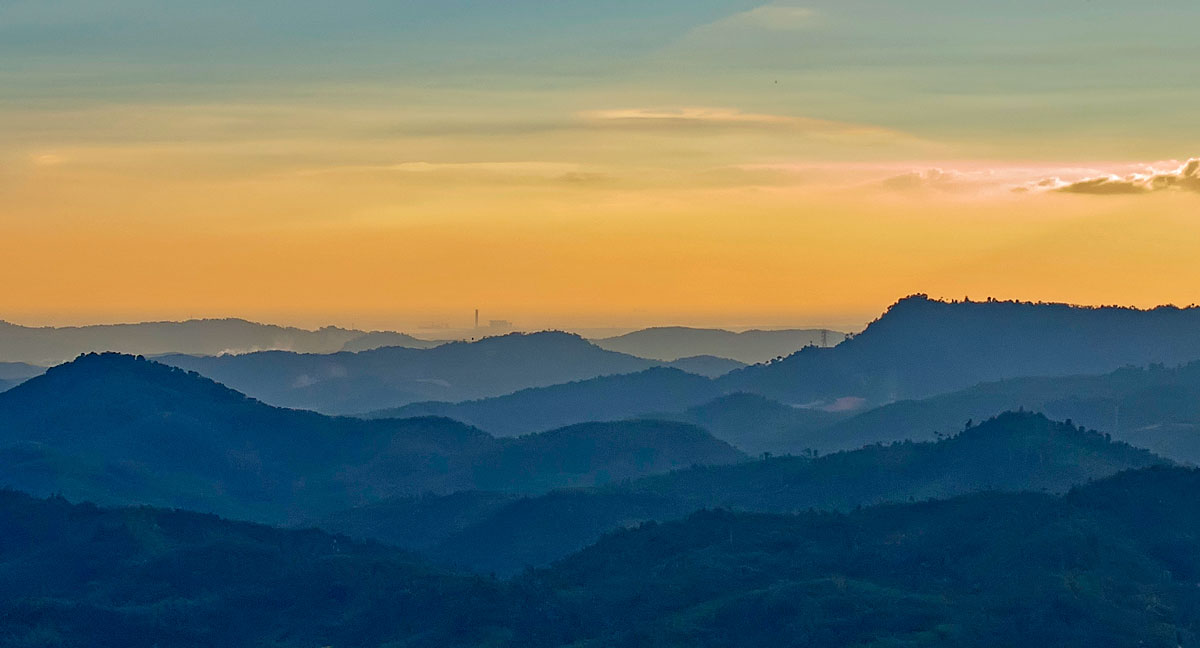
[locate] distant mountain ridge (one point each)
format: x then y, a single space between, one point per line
921 347
1153 407
122 430
15 373
1015 451
606 398
670 343
49 345
351 383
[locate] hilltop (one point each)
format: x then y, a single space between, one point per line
118 429
670 343
922 347
349 383
1013 452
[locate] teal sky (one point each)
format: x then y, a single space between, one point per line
977 74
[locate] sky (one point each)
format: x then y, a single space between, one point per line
591 163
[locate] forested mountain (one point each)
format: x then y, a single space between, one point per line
922 347
1153 407
758 425
1012 452
675 342
49 346
349 383
606 398
118 429
1113 563
79 576
380 339
705 365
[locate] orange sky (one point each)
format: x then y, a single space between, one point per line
727 163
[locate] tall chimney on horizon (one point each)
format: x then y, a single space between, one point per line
476 318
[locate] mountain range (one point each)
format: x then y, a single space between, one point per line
1013 452
349 383
750 347
922 347
1112 563
50 345
117 429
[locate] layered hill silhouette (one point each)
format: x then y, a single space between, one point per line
675 342
15 373
606 398
822 399
705 365
922 347
378 340
752 423
1153 407
118 429
78 575
49 345
1013 452
1114 562
349 383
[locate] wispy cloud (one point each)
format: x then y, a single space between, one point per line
701 117
776 17
771 17
1185 177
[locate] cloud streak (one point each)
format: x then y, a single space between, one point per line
699 117
1186 177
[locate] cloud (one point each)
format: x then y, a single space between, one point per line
935 178
684 116
428 168
48 159
1185 177
513 173
771 17
699 117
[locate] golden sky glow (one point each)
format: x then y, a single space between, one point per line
647 190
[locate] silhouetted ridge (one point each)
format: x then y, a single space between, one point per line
1153 407
981 570
119 429
1112 563
352 383
606 398
921 347
1016 451
670 343
50 345
105 372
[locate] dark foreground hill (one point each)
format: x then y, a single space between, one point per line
79 576
49 345
1114 563
350 383
921 347
675 342
1014 452
119 429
